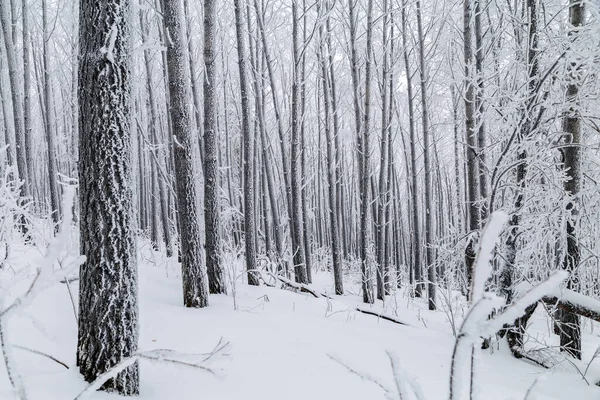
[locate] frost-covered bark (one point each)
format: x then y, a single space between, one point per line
570 333
212 208
365 171
195 291
414 210
108 292
336 253
248 138
429 261
471 144
296 220
49 123
17 97
27 120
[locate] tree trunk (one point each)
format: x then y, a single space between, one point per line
248 138
108 304
49 125
193 274
331 172
570 334
212 207
429 259
365 172
416 242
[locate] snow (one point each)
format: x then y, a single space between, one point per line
281 344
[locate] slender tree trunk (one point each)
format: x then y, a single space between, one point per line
429 259
570 334
471 167
365 173
17 100
480 104
381 215
27 120
195 293
416 243
298 254
49 126
331 172
212 207
248 138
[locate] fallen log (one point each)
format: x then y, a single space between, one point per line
576 303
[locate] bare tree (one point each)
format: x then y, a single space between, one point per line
195 293
212 206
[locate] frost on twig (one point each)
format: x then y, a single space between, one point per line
405 387
44 277
200 361
476 323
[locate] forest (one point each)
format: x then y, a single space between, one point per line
344 199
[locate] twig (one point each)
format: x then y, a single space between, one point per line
40 353
382 316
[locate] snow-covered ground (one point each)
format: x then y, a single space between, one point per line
282 345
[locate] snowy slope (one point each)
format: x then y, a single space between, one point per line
282 345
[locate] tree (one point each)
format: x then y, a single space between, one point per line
296 218
336 253
212 206
248 137
365 171
570 333
429 262
49 124
108 303
17 98
195 293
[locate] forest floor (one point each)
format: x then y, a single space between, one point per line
282 345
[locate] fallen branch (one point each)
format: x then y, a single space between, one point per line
158 355
298 286
576 303
382 316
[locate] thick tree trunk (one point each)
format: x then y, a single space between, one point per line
193 274
108 307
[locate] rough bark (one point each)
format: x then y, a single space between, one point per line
248 138
331 172
49 124
416 242
570 334
296 217
193 274
212 207
108 307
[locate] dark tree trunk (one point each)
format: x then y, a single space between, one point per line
212 207
570 334
193 274
108 306
248 138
